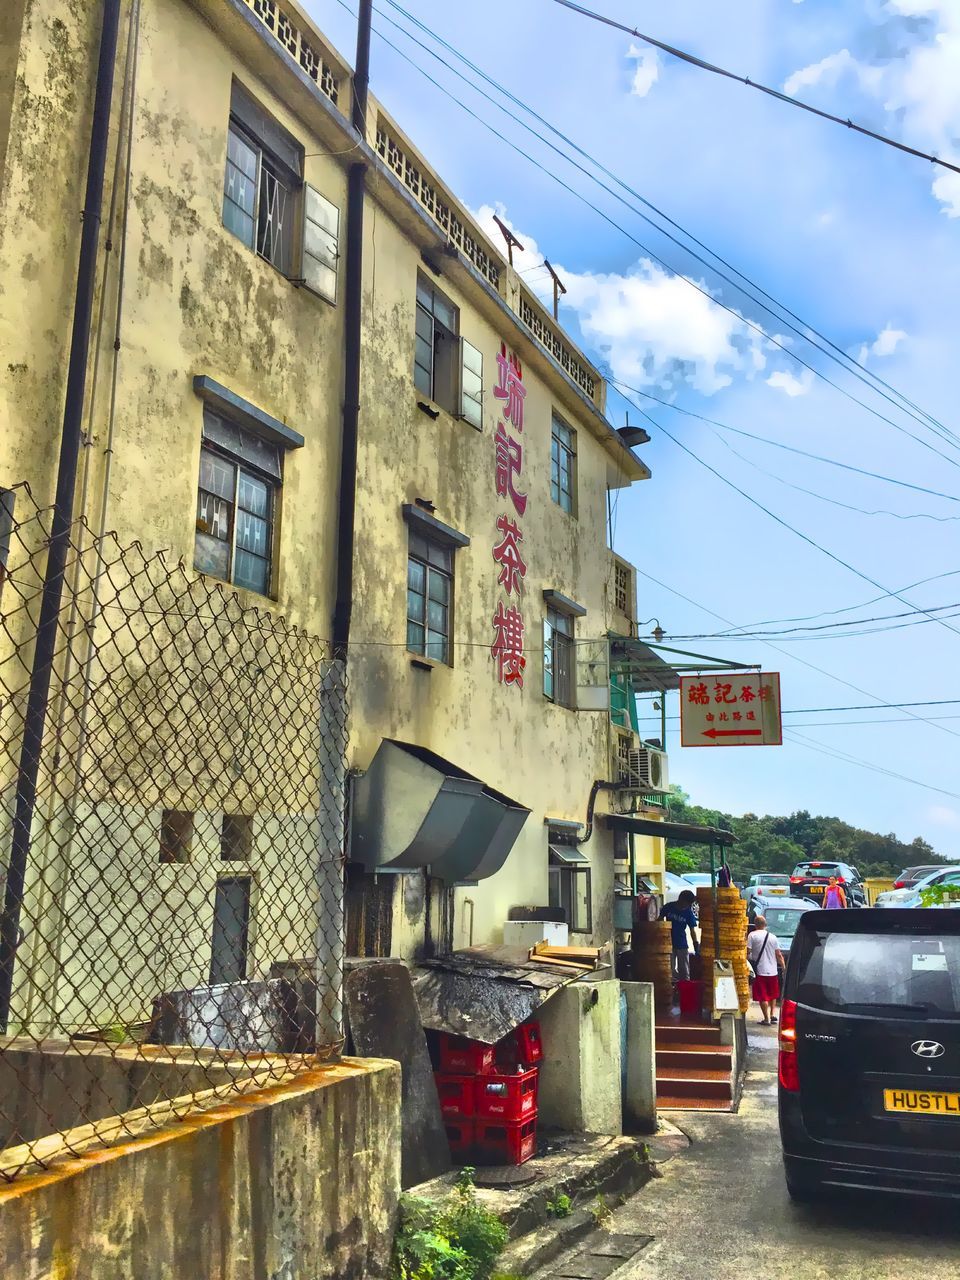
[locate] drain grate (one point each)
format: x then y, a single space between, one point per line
599 1257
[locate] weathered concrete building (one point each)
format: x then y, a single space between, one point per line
488 731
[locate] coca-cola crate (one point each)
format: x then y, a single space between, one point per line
460 1056
461 1136
500 1142
521 1048
457 1094
507 1097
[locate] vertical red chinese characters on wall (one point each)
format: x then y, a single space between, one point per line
509 393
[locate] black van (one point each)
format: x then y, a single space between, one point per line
869 1064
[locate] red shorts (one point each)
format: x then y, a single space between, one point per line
766 988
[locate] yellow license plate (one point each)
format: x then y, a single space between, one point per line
920 1102
816 888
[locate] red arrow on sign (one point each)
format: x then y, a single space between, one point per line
731 733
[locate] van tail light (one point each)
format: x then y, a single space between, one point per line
787 1068
796 879
899 884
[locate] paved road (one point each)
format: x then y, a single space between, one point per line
721 1211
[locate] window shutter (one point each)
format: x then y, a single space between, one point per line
471 384
320 251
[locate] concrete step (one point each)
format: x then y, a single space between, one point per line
695 1086
671 1033
696 1058
671 1102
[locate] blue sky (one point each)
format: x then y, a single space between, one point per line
861 241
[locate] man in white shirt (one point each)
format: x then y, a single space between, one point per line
766 960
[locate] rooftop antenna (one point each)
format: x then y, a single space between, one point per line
510 238
558 288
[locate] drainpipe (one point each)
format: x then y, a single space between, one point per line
598 786
353 320
36 713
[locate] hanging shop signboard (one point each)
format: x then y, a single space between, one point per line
731 709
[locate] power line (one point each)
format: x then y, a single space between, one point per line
844 356
777 444
748 634
791 528
926 420
849 608
867 693
762 88
822 749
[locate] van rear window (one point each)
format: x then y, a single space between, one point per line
889 973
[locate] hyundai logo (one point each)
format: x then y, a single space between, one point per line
927 1048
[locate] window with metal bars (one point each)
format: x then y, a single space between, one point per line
259 199
563 456
236 505
558 657
622 594
429 597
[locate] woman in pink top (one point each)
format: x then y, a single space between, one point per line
834 899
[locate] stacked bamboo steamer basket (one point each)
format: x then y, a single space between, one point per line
652 947
732 932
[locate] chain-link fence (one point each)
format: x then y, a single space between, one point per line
172 883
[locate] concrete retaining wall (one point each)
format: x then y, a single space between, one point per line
640 1077
296 1182
580 1085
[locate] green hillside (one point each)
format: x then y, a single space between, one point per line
778 843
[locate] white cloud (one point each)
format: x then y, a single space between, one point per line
651 327
943 816
918 87
790 383
885 344
647 72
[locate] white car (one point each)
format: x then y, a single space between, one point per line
673 886
766 885
911 897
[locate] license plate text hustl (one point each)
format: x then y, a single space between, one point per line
920 1102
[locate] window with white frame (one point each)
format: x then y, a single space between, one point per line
446 368
570 887
563 455
558 657
236 505
267 204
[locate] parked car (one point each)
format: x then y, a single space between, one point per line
782 916
869 1064
673 886
915 899
909 876
767 884
697 879
911 897
810 880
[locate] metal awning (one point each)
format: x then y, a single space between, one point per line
485 992
566 855
647 670
685 832
413 809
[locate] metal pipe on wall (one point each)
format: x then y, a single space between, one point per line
47 629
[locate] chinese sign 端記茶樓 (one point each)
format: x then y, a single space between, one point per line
731 709
507 647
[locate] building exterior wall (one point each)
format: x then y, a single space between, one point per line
198 302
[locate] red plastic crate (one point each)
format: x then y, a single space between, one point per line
498 1142
461 1136
457 1094
529 1044
507 1097
460 1056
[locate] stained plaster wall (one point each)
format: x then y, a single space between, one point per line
196 301
542 755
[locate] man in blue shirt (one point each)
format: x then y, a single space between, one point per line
681 917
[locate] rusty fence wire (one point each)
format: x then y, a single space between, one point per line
178 933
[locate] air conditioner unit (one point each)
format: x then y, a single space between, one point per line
646 770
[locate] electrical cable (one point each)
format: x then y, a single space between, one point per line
755 84
777 444
804 662
860 371
786 525
752 634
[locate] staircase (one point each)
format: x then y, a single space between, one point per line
694 1070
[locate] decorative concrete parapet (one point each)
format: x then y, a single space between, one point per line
295 1182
